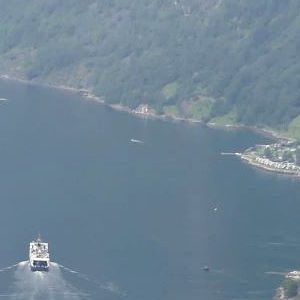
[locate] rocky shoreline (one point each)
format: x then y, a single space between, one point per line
289 290
143 111
88 95
151 114
280 294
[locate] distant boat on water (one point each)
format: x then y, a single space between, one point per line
136 141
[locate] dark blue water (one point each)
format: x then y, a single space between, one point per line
139 218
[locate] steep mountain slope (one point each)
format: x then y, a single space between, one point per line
196 58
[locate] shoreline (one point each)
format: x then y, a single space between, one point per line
264 131
280 294
88 95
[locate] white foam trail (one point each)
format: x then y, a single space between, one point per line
78 274
275 273
108 286
8 268
50 285
113 288
42 285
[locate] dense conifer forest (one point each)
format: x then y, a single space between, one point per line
219 60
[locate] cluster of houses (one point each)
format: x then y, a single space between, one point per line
295 275
278 165
142 109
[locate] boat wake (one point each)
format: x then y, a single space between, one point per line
42 285
275 273
107 286
9 268
51 285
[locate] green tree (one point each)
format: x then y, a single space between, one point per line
245 55
268 153
290 288
287 156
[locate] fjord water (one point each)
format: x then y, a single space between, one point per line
138 219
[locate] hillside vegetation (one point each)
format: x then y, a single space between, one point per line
205 59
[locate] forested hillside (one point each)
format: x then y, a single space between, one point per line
222 60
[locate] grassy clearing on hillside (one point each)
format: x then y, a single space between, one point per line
243 54
170 90
228 119
171 110
199 109
294 128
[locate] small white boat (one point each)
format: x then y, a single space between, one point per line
136 141
39 258
206 268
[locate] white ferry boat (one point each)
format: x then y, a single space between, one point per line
39 258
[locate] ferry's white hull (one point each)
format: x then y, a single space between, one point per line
41 269
39 259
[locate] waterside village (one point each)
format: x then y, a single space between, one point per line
282 157
290 287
